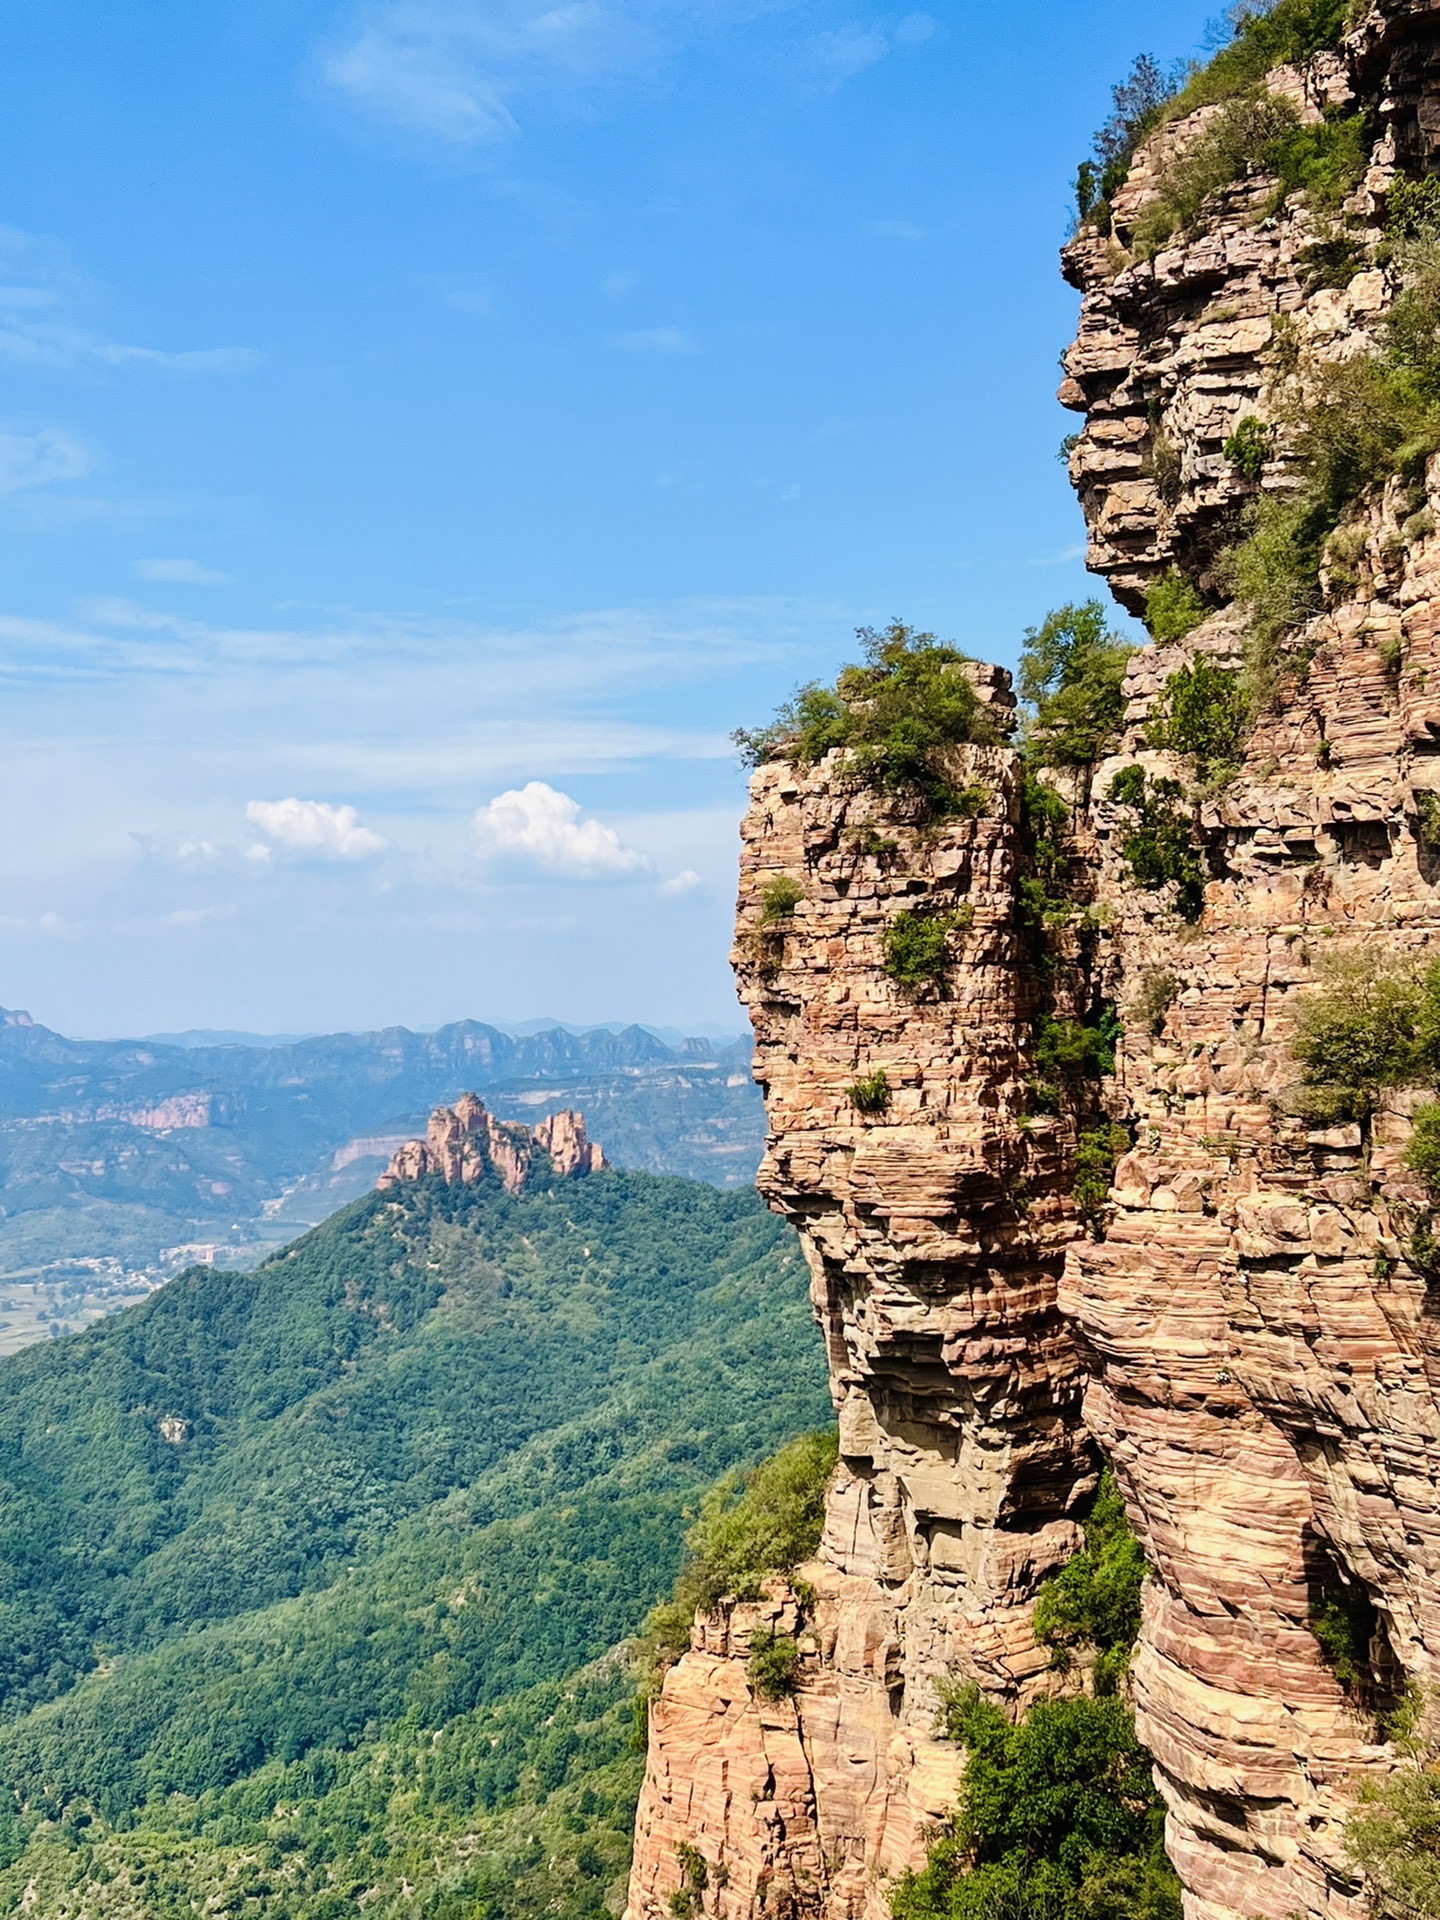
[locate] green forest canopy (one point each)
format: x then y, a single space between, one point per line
422 1471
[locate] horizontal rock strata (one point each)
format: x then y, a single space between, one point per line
1254 1350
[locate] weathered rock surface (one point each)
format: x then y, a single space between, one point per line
935 1235
1256 1355
466 1142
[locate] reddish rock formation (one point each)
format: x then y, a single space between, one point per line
935 1235
466 1142
1257 1356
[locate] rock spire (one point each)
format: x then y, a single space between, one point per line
466 1142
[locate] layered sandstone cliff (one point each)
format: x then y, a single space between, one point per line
465 1143
1245 1340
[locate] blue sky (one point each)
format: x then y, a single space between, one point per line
429 427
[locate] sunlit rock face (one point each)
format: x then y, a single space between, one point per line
466 1142
1247 1342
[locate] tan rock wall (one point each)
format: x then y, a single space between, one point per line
1253 1350
935 1234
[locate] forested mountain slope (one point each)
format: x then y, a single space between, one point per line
328 1533
137 1155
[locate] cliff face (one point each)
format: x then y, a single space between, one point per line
1247 1340
465 1142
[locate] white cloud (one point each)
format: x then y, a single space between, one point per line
449 68
34 329
40 459
199 916
537 823
897 230
54 924
184 573
313 826
56 343
848 50
421 82
679 883
654 340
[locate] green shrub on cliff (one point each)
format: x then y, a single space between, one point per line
1279 35
1393 1836
1057 1816
1173 608
774 1664
1058 1819
1137 106
1094 1600
1072 668
896 714
1203 716
757 1524
1158 847
1374 1023
916 946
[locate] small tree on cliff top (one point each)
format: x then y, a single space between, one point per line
896 713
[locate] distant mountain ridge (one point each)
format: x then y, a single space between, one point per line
113 1151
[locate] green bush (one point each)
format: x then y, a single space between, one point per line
917 945
1374 1023
870 1093
1204 716
1394 1836
1159 850
896 714
764 1523
1359 422
1248 447
1159 990
1325 160
774 1665
1173 609
869 841
1096 1152
1042 890
1423 1154
1137 106
687 1901
1072 667
1343 1622
779 898
1252 131
1058 1816
1069 1051
1282 35
1094 1600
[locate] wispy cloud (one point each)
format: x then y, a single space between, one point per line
450 68
41 459
845 51
183 573
200 916
455 70
897 230
37 329
654 340
538 824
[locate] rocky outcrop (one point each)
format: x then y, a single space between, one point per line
935 1235
466 1143
1255 1352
